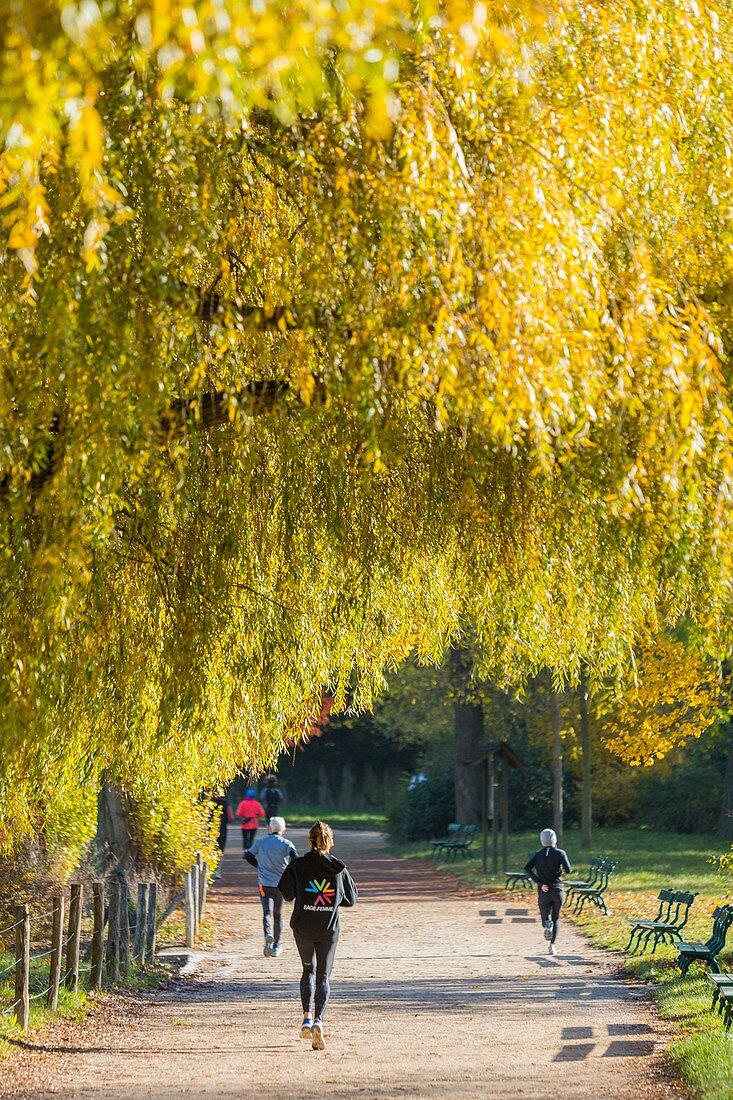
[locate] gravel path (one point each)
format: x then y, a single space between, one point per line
437 992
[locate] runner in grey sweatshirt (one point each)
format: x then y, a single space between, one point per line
271 855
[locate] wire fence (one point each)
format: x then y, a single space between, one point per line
44 993
41 955
111 912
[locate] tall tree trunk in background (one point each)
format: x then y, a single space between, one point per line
725 820
116 846
469 738
586 809
557 784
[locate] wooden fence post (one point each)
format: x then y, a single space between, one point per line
95 976
141 918
72 951
151 925
195 892
57 951
124 939
190 922
203 870
113 931
22 965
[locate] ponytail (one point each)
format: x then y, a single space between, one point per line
321 836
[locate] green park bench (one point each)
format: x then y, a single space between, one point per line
438 845
594 893
463 843
707 952
594 867
722 997
671 918
518 878
459 841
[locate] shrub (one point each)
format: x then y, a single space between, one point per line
426 810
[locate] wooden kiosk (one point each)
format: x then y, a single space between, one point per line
495 759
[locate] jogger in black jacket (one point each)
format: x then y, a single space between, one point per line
318 884
546 868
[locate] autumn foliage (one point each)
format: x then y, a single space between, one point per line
327 333
675 694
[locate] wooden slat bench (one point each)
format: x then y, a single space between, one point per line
461 844
594 867
707 952
518 878
671 918
594 894
438 845
722 997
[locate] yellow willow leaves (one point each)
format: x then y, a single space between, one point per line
470 374
675 696
228 57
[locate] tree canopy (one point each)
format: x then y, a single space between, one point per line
327 332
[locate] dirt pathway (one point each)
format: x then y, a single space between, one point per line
436 993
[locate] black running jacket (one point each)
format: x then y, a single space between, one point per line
547 865
318 884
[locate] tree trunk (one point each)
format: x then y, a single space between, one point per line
347 798
116 846
725 820
557 784
586 818
469 739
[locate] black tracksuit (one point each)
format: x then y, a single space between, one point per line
271 797
546 867
318 884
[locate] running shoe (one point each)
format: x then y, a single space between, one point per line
306 1028
318 1041
548 928
551 950
267 952
276 949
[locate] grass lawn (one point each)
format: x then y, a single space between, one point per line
649 861
71 1005
304 816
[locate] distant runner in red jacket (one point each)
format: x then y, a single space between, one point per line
249 811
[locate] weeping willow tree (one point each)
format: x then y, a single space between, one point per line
326 335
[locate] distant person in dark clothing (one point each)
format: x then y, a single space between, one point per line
271 855
219 802
546 867
271 797
319 884
249 812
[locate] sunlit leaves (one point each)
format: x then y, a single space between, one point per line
223 58
465 307
675 695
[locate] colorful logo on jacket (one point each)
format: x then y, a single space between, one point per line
324 891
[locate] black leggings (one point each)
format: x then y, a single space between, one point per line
248 837
550 904
272 904
317 957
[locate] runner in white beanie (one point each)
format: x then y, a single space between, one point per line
270 856
546 867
